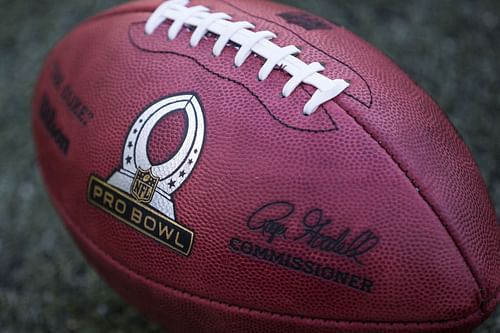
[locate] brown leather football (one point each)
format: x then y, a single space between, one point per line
244 166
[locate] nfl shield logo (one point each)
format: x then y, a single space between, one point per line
144 185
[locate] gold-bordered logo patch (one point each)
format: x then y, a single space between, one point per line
139 194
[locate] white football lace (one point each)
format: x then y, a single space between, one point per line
250 42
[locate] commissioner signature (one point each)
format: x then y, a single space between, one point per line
272 222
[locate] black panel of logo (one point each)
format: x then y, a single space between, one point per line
139 216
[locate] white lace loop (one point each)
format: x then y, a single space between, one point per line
245 50
225 37
179 22
296 80
250 42
275 60
202 29
160 14
320 97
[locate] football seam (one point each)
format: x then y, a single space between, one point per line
414 182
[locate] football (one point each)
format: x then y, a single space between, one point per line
245 166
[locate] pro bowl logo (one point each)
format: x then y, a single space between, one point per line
140 194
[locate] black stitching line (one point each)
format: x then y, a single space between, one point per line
334 123
370 103
334 129
413 181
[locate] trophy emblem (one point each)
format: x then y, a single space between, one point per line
140 194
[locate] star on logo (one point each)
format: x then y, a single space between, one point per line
128 159
182 174
190 161
130 145
171 184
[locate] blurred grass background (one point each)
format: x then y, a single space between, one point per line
450 47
